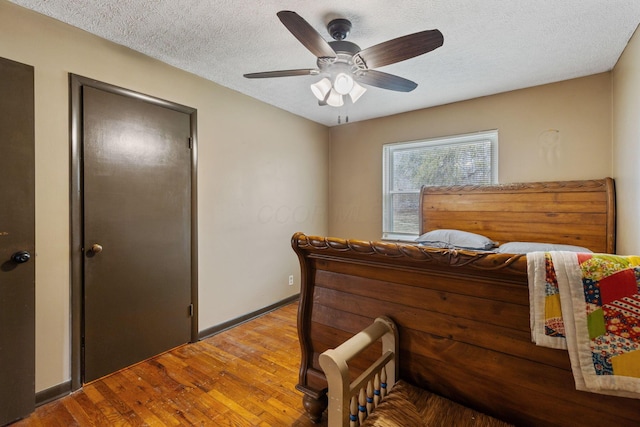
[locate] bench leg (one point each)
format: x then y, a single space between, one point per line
315 406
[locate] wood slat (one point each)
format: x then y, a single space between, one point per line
501 315
561 198
536 217
581 186
422 299
525 225
338 275
520 207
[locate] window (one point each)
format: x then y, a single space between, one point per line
407 166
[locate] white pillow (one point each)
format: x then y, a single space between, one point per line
455 239
526 247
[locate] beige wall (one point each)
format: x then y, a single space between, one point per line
579 109
626 146
252 194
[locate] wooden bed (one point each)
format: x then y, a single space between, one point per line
462 316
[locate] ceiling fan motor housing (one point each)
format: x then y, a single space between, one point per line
339 28
344 60
345 47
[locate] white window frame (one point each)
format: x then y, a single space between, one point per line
388 149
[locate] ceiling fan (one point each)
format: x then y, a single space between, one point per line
344 65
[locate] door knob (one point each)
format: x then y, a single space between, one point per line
21 257
95 248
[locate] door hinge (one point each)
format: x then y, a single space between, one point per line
190 143
190 310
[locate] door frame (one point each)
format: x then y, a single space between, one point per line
76 226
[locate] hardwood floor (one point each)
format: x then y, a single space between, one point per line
245 376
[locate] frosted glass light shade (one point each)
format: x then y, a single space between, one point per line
335 99
356 92
321 88
343 83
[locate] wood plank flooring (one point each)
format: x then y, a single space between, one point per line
244 376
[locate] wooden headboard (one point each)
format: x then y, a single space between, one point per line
578 213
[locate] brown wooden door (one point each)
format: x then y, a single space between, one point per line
17 242
136 163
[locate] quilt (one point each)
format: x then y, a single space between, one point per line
589 304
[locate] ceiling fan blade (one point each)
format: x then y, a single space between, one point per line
283 73
386 81
306 34
402 48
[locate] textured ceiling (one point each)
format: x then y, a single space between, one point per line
490 46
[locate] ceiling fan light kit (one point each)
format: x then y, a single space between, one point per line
344 65
331 94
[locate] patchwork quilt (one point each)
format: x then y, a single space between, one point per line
589 304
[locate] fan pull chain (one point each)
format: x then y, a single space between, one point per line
346 119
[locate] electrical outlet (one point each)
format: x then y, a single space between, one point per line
291 280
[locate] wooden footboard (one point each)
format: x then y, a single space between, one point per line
463 322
